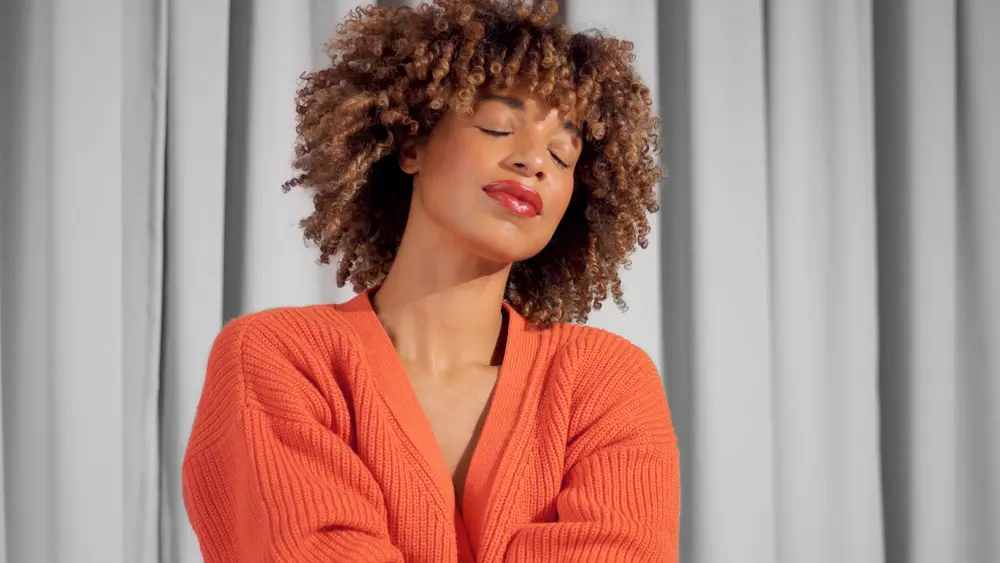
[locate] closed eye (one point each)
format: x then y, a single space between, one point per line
558 160
493 133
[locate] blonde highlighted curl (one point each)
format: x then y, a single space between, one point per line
395 71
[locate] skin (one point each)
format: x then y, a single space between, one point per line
441 301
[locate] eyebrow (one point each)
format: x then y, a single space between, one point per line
516 103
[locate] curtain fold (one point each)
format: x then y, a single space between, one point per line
732 444
86 269
143 130
978 269
64 305
823 280
25 309
916 169
821 291
194 235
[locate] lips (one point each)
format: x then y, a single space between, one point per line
515 196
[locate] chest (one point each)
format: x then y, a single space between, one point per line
455 405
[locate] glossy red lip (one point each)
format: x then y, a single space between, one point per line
515 196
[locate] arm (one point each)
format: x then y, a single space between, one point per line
266 477
620 500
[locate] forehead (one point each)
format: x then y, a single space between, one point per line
521 99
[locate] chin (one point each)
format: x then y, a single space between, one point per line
504 245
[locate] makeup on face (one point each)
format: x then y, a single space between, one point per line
515 196
564 147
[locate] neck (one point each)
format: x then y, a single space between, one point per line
441 305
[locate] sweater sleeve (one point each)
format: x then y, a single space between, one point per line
266 477
620 499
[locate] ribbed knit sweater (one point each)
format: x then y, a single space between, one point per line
310 444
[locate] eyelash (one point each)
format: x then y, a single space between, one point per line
493 133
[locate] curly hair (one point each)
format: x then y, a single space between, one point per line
395 71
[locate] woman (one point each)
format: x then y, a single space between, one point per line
483 174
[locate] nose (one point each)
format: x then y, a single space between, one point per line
527 162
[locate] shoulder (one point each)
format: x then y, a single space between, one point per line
286 330
614 384
309 344
290 362
598 356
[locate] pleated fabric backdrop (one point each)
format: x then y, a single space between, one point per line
821 292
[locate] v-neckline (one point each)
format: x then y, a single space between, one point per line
399 395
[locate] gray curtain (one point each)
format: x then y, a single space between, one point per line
821 294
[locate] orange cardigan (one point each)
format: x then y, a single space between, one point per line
309 444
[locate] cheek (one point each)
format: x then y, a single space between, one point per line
459 156
559 202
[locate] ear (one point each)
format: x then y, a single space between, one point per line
410 151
